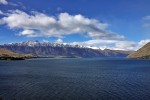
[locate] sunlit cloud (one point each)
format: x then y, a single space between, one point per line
41 25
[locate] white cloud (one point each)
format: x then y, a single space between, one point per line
58 26
113 44
46 41
143 42
29 33
38 24
59 41
146 21
3 2
146 18
1 13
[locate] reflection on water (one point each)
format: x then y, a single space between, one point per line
75 79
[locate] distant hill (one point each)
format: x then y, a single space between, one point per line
7 53
115 53
143 52
43 49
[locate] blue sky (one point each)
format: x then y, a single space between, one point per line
113 24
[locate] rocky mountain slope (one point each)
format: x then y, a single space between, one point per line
143 52
54 49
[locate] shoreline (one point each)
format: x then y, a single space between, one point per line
24 58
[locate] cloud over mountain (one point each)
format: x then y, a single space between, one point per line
38 24
114 44
35 24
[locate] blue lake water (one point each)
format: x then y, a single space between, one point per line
75 79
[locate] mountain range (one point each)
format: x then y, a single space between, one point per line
46 49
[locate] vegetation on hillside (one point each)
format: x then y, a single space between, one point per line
143 52
9 55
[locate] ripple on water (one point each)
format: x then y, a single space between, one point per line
75 79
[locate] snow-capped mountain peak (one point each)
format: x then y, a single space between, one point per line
31 43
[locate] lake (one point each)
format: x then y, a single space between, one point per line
75 79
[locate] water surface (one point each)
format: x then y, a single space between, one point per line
75 79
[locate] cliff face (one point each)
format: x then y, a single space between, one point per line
143 52
52 49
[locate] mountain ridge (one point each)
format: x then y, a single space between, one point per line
55 49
